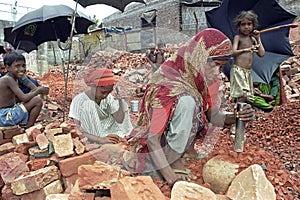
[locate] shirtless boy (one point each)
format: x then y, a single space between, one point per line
244 45
26 112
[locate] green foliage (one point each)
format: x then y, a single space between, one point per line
94 26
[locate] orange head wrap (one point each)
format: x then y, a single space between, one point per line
100 77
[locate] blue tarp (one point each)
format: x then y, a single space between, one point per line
117 30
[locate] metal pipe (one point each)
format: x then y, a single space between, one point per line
240 136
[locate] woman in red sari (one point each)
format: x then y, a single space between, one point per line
179 102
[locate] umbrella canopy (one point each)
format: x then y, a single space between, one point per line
50 23
118 4
276 43
2 50
9 37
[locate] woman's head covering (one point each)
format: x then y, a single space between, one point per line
185 72
100 77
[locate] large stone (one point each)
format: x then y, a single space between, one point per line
219 173
251 184
183 190
136 188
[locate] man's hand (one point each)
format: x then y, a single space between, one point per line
110 139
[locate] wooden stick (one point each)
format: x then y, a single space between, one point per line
278 27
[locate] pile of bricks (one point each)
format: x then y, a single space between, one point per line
54 162
291 78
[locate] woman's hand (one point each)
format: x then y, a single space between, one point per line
246 113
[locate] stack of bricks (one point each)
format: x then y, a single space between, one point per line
291 78
54 162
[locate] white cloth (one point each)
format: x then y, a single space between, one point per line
97 119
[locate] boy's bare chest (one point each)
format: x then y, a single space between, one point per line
7 97
245 42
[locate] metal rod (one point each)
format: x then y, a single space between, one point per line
239 139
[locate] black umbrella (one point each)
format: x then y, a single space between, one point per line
50 23
119 4
2 50
276 43
10 37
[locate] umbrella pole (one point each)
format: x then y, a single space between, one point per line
66 71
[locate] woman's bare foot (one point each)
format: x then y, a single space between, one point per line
181 171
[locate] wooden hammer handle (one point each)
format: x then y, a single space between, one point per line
278 27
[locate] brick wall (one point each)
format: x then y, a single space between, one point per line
175 23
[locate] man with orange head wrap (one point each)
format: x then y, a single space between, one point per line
97 112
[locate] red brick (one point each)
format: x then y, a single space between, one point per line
6 148
1 182
33 131
10 132
129 188
37 163
42 141
12 165
79 147
77 194
70 182
35 180
24 147
70 165
99 176
7 194
1 135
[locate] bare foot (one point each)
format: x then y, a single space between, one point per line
178 164
190 153
181 172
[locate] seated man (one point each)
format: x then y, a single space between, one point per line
27 111
102 118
